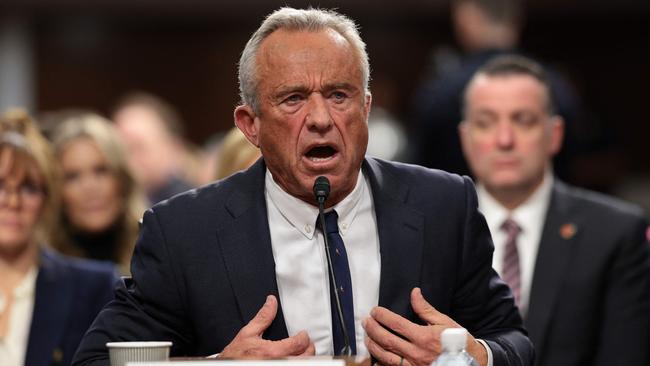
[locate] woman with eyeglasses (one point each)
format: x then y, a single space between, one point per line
47 301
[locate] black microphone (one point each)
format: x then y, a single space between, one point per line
321 192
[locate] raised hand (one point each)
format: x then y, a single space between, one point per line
248 343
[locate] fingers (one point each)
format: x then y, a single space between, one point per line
248 343
292 346
384 340
427 312
384 356
262 319
310 351
392 321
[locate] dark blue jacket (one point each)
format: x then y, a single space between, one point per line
69 294
203 265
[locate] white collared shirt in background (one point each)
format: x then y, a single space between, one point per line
14 345
530 216
301 265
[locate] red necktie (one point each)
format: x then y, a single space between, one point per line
511 272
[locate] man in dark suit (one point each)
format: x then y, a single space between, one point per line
577 261
238 267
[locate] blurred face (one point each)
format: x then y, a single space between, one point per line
151 150
91 193
21 203
313 112
508 136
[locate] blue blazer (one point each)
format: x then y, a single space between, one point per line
69 293
203 265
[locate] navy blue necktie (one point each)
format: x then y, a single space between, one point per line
341 270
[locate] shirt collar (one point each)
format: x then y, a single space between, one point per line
526 215
302 215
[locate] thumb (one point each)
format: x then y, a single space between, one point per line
263 318
425 310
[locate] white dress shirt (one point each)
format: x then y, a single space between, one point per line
14 345
301 265
530 217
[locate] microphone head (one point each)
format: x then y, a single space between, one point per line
321 189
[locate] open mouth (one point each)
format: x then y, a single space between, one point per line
321 153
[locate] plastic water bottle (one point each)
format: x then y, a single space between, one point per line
454 341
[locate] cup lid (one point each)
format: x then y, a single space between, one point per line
139 344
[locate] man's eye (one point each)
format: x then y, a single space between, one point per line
481 123
526 120
339 96
293 98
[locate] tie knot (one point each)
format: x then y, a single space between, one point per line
511 227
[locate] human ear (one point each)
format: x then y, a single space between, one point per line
557 134
248 123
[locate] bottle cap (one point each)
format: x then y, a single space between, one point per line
454 339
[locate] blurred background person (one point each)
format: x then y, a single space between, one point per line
153 133
483 29
47 301
101 203
387 138
235 154
577 261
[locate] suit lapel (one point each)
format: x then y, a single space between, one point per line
554 255
53 296
245 244
401 234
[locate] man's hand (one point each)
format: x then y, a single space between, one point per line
420 344
248 343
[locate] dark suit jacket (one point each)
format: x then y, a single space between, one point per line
589 302
203 264
69 294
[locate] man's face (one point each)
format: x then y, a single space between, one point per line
508 136
150 147
313 112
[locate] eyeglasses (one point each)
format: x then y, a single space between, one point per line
29 194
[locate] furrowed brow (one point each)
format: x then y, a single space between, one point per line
283 91
342 86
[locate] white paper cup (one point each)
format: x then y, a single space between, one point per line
120 353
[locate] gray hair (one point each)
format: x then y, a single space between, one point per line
311 20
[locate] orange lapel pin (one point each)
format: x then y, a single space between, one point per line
568 231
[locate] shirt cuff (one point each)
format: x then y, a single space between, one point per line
488 350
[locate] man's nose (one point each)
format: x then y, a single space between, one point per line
505 135
318 116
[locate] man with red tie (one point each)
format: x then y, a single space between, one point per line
576 261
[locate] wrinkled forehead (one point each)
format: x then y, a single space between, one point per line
306 49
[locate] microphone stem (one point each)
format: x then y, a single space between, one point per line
347 350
